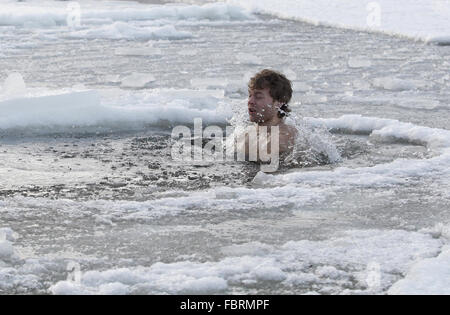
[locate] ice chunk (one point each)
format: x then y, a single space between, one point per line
395 84
122 30
50 110
62 109
418 103
138 80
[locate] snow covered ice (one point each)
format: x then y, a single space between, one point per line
252 263
417 19
87 180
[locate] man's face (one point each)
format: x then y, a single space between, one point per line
261 106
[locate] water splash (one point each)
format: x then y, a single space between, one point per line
314 146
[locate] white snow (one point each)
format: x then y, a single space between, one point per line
427 277
418 19
296 263
38 13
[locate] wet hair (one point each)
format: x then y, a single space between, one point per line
280 88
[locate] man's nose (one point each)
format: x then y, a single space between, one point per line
251 100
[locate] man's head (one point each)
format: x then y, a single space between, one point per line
269 95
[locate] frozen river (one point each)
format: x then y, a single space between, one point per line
88 183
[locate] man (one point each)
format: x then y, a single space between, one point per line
269 95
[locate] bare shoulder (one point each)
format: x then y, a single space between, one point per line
288 134
288 131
